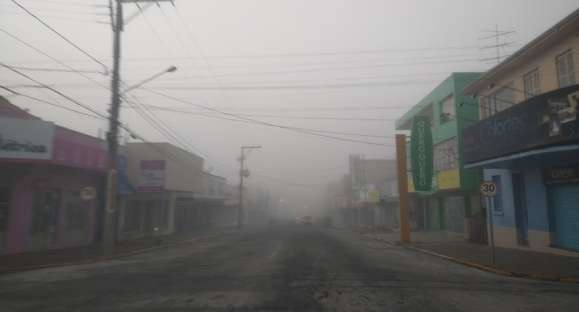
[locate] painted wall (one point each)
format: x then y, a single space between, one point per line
75 149
466 114
184 171
544 62
537 207
507 217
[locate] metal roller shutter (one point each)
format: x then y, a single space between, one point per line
565 201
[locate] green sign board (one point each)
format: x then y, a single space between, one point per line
421 154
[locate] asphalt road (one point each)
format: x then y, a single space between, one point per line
281 269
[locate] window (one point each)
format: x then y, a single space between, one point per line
498 101
132 217
532 83
498 198
4 207
446 155
76 211
565 69
447 109
45 210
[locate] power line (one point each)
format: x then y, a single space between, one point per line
67 3
341 62
351 52
55 91
281 116
267 123
49 103
149 25
51 10
161 126
369 66
60 35
299 128
29 45
43 69
98 116
61 18
294 87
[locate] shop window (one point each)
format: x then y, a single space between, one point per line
447 109
76 216
4 207
132 217
76 211
446 155
565 69
498 198
45 210
532 83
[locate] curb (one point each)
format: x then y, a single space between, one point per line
482 267
95 259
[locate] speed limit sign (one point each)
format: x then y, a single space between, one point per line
488 188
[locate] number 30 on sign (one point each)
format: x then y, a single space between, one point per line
488 189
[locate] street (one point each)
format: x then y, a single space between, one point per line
289 268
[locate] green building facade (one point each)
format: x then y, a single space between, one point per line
453 204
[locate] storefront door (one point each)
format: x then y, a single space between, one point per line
45 211
565 203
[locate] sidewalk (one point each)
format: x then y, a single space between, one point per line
515 262
77 255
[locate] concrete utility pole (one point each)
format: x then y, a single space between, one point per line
243 173
403 187
113 133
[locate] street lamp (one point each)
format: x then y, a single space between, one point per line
243 173
170 69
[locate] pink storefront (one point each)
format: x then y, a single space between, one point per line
51 181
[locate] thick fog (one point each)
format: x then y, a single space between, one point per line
275 63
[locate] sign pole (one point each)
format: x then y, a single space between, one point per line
491 229
488 189
403 187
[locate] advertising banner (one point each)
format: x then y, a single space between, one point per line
151 176
421 154
544 120
26 139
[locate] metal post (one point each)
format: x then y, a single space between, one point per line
491 229
403 187
112 136
240 206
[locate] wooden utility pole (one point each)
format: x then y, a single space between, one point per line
242 174
109 222
403 187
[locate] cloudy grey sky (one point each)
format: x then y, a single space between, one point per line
276 61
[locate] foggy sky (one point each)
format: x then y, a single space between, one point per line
221 44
